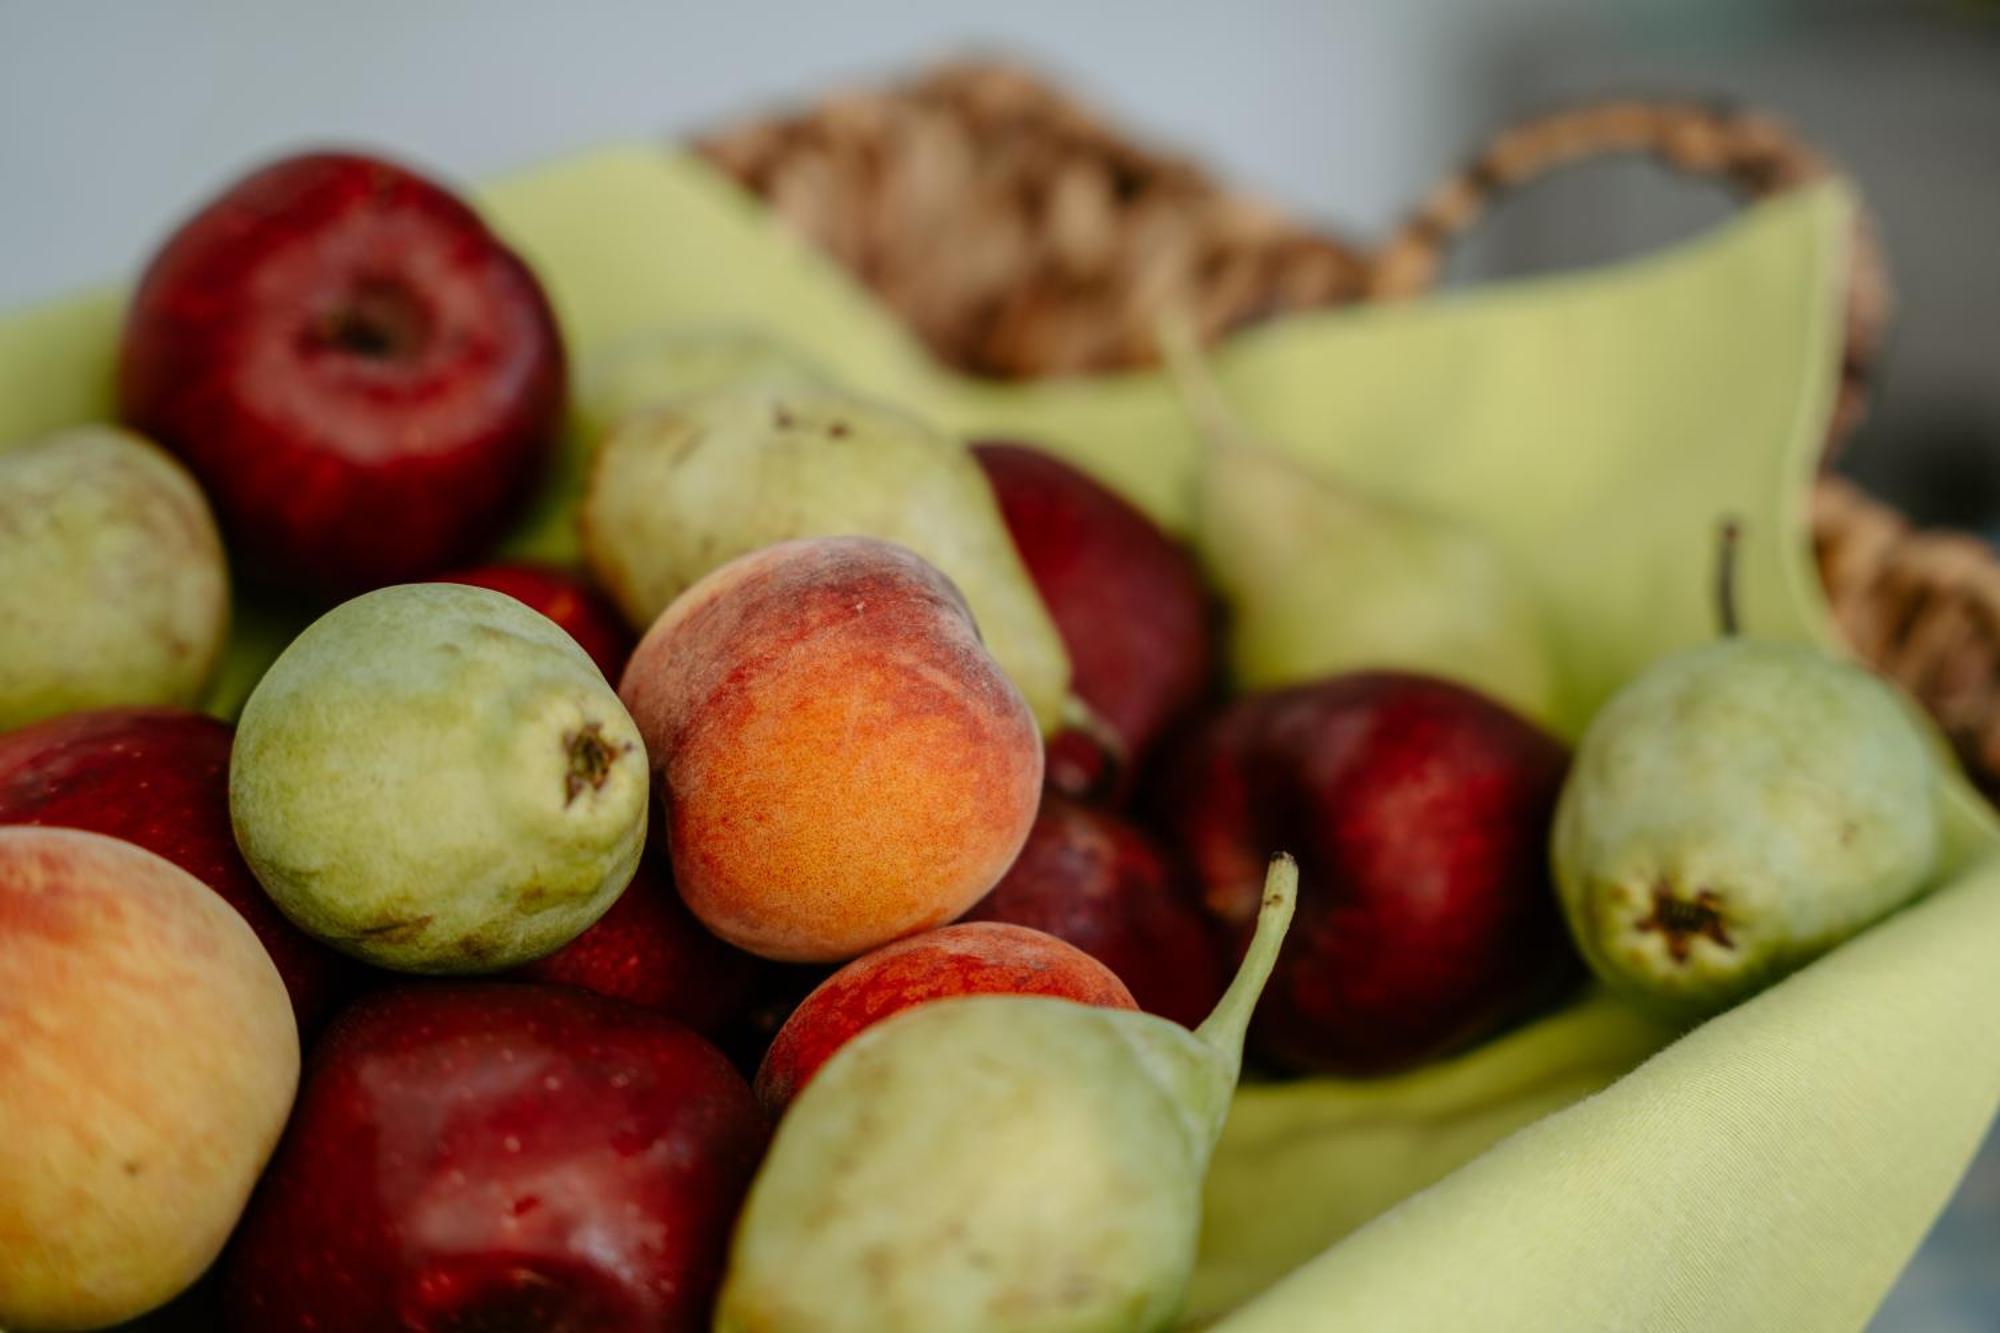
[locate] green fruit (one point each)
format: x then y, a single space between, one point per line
653 368
1735 812
1320 579
435 778
636 374
684 489
113 588
996 1164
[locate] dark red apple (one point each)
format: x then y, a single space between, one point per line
1088 877
365 380
1128 602
159 777
496 1156
975 958
565 598
1419 812
649 950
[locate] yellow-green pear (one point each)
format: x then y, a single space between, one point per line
688 487
997 1164
435 778
653 367
638 372
113 588
1321 579
1734 812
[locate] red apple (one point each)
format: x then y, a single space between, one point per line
1090 878
494 1156
565 598
1128 602
650 951
365 380
1419 812
159 777
982 958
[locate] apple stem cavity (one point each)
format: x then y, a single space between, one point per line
379 321
1729 541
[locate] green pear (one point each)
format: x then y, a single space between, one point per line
654 367
113 587
997 1164
641 371
435 778
1733 813
684 489
1320 579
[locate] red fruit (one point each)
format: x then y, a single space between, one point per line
565 598
365 380
650 951
1090 878
1419 812
497 1156
982 958
1128 602
159 777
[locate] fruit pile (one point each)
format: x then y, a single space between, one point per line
843 901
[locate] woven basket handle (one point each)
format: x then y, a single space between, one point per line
1751 154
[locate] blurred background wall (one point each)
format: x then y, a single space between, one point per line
116 118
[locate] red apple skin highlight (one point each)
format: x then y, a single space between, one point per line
365 380
1095 881
649 950
492 1156
1128 602
159 778
977 958
568 599
1419 812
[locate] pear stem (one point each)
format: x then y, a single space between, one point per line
1181 352
1222 1031
1729 540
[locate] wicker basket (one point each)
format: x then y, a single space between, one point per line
1021 237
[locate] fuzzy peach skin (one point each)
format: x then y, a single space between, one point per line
841 761
973 958
147 1064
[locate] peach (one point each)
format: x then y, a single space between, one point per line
975 958
147 1064
842 763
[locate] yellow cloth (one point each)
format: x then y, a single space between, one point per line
1772 1169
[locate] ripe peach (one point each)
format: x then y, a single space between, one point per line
974 958
842 762
147 1063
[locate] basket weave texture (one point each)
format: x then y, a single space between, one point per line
1020 236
